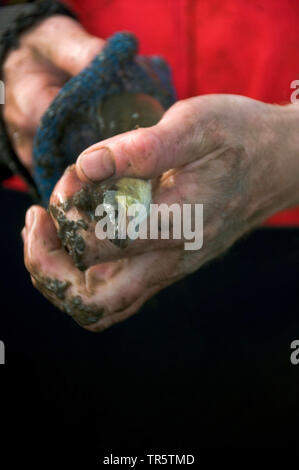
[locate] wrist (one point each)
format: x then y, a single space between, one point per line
275 169
286 153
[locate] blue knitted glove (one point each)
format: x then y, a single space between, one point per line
72 123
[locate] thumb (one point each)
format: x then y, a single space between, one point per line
65 43
145 152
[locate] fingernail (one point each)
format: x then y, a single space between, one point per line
29 219
98 164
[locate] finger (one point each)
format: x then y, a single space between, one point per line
117 317
32 84
27 112
66 187
137 280
148 152
45 258
22 144
23 115
65 43
53 272
72 210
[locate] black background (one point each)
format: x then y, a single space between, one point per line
204 367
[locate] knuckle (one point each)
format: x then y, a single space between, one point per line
31 264
143 151
31 261
178 106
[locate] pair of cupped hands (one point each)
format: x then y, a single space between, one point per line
234 155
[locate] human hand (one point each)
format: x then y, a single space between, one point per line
48 55
232 154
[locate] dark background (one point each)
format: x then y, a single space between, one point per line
203 367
